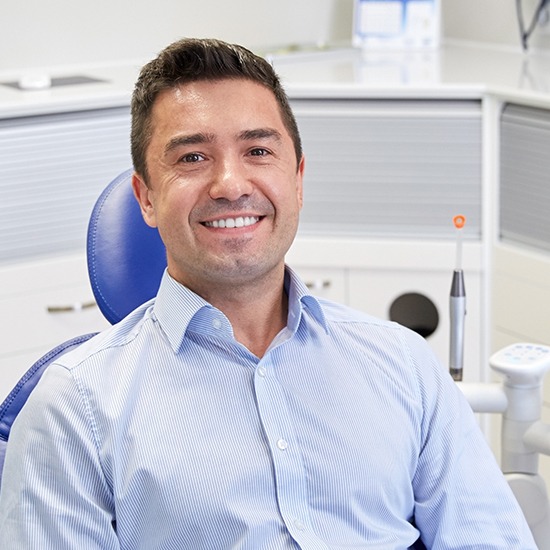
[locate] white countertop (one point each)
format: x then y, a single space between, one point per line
451 72
114 91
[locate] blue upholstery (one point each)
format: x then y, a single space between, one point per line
11 406
126 258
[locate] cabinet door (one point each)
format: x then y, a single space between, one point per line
52 169
43 303
397 169
524 167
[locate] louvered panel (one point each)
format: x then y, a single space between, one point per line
52 169
395 169
525 176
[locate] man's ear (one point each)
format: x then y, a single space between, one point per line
142 193
300 181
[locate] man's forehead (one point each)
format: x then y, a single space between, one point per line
191 110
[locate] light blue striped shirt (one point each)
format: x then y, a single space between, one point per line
163 432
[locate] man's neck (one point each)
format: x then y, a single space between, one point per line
256 317
257 310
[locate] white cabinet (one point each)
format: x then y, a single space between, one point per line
53 166
391 169
43 303
52 169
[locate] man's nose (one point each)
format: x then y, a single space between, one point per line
230 181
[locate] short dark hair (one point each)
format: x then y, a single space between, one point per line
191 60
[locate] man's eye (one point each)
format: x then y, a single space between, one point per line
259 152
191 157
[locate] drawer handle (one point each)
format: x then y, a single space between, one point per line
77 306
318 284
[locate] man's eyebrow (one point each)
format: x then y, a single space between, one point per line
199 137
189 139
260 133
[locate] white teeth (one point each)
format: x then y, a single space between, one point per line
234 222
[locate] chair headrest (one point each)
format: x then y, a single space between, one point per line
126 257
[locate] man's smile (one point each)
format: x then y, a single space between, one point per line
240 221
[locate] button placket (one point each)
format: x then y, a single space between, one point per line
290 479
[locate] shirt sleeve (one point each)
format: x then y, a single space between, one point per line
462 499
54 494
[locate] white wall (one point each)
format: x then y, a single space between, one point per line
493 21
38 33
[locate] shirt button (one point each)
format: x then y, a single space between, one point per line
299 525
216 323
282 444
262 371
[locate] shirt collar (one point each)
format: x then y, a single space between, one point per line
176 306
299 297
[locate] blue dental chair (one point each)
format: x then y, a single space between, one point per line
126 260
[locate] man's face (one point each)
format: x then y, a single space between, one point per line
224 188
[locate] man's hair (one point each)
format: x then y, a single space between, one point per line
191 60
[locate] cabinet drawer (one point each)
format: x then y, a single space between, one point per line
43 303
29 329
47 318
329 283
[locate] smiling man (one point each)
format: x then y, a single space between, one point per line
236 410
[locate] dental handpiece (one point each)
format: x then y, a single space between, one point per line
457 305
458 313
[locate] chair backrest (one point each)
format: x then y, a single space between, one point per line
126 257
126 260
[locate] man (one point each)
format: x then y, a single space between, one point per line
237 411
